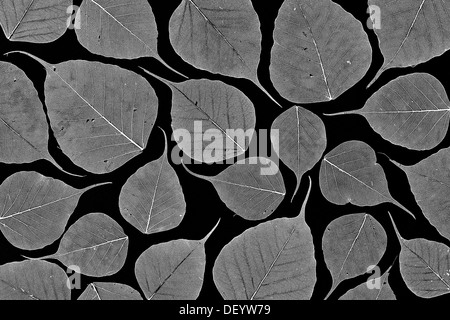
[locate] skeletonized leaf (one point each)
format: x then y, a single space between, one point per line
34 209
430 183
351 244
23 127
172 270
349 174
363 292
219 117
118 29
33 280
320 51
301 140
152 199
95 243
101 115
36 21
424 266
411 31
109 291
274 260
252 188
218 36
411 111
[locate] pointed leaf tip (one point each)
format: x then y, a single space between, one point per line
209 234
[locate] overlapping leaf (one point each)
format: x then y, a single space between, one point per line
320 51
33 280
35 209
211 121
123 30
23 127
218 36
349 174
299 138
36 21
274 260
109 291
252 188
411 31
425 266
95 244
173 270
430 183
152 199
411 111
351 244
101 115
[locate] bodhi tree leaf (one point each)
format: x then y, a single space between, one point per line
274 260
95 243
430 183
33 280
152 199
36 21
172 270
351 245
411 111
109 291
299 137
320 51
349 174
23 126
411 31
219 117
424 266
252 188
101 115
123 30
34 209
363 292
218 36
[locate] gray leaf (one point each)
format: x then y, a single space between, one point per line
218 36
430 183
362 292
412 31
411 111
351 244
101 115
33 280
274 260
95 243
35 21
118 29
220 118
252 189
301 142
349 174
152 199
172 270
109 291
23 126
34 209
424 266
320 51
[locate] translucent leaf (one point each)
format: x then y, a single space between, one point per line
172 270
274 260
152 199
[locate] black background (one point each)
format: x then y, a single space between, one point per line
204 207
